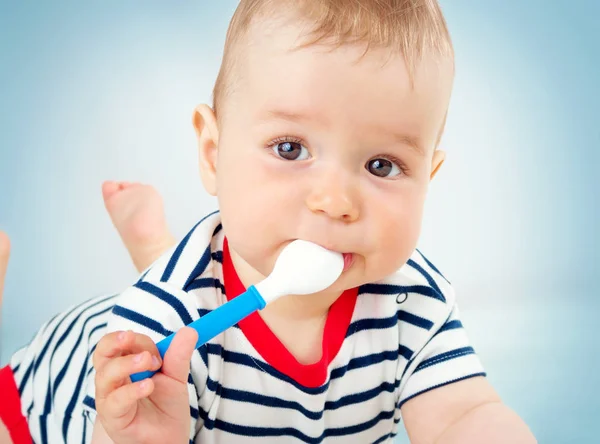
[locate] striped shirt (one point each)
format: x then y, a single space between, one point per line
384 343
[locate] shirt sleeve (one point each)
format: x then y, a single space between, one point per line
446 357
156 309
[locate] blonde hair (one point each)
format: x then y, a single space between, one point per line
408 27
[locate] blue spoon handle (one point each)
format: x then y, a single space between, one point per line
214 323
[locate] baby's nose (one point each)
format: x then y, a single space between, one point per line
334 196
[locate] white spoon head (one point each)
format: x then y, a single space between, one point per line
302 268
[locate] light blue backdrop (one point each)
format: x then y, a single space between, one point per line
90 92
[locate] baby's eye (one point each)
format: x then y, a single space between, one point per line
291 151
382 167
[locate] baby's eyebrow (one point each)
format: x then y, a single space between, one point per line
287 115
412 142
294 116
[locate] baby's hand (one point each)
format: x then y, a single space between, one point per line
154 410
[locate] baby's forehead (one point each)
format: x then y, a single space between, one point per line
342 66
312 89
278 64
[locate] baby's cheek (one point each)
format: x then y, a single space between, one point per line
396 242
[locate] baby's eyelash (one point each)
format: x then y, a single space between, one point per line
285 139
293 139
395 160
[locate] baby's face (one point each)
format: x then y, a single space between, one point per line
319 144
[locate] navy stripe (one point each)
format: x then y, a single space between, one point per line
365 361
371 324
199 268
75 397
167 298
84 437
405 352
203 351
248 361
358 428
450 325
388 289
357 398
401 403
16 368
384 438
177 253
191 383
90 402
407 366
290 431
50 392
217 256
204 312
428 262
63 371
208 282
426 275
25 378
43 429
443 357
266 401
415 320
274 402
40 357
141 320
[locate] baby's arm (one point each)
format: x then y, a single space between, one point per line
464 412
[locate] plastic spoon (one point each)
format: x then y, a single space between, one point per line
301 268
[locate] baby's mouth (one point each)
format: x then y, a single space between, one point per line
348 260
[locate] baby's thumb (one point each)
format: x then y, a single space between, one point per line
176 362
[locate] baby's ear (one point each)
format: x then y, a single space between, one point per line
207 131
436 162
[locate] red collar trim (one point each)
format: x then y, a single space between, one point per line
272 349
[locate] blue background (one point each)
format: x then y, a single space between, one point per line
105 90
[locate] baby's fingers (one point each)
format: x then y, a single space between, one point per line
120 406
120 343
115 373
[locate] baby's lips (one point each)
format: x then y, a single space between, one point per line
348 260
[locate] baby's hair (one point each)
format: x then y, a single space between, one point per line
410 28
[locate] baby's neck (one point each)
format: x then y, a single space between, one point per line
299 323
299 308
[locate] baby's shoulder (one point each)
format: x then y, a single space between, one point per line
183 284
417 294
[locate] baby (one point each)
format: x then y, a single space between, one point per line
325 126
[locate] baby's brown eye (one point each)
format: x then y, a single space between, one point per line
291 151
382 168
